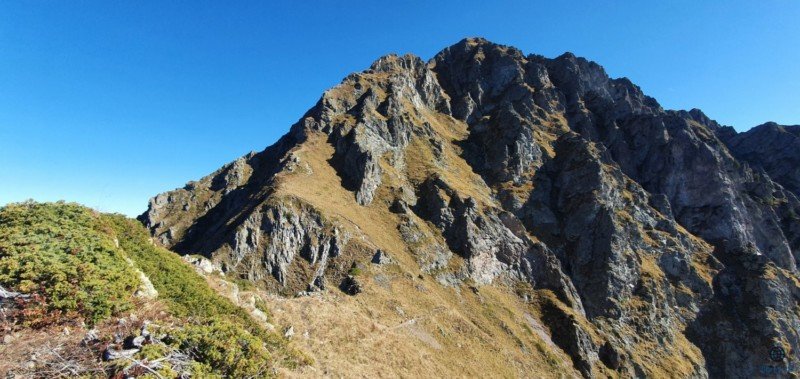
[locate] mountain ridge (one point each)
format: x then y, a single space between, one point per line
484 167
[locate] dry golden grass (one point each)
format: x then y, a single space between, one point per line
701 264
678 359
417 328
458 174
323 190
649 268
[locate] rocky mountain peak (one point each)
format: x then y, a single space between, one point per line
645 236
772 148
393 63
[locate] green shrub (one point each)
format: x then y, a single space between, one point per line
186 293
355 270
75 262
224 346
65 257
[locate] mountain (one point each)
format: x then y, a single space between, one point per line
497 212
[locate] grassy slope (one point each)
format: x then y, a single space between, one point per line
405 323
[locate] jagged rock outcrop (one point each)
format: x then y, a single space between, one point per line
656 242
771 147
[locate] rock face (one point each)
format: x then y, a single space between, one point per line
657 242
771 147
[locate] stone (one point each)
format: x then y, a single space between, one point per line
111 354
351 286
289 332
399 206
132 342
610 357
202 264
146 289
381 258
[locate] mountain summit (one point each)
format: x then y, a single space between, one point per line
492 210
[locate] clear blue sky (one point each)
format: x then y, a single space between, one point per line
110 102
